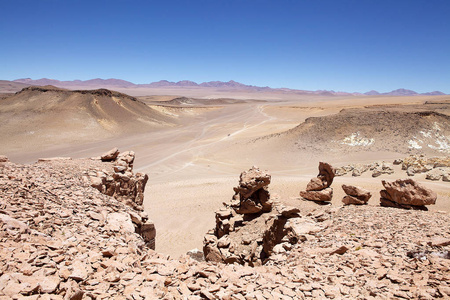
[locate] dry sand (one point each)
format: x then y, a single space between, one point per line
194 166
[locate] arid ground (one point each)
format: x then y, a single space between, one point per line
193 144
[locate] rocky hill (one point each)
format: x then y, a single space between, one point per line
402 129
62 238
47 114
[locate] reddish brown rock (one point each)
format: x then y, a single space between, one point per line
348 200
318 189
407 192
324 179
3 158
110 155
324 195
355 195
252 192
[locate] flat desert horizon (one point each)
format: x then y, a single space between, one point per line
194 143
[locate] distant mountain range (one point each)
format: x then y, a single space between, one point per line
119 83
403 92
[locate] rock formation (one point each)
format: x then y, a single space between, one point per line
318 189
355 195
406 193
248 230
120 183
252 195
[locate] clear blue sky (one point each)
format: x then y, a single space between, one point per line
335 45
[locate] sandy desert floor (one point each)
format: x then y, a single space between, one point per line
192 168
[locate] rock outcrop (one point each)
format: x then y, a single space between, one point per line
120 182
318 189
406 193
252 195
248 230
355 195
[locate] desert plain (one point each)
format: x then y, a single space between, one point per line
194 143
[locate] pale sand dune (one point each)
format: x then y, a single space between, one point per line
194 166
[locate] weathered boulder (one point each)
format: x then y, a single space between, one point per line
3 158
323 195
318 188
323 180
110 155
436 174
407 193
355 195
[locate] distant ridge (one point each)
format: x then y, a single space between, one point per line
403 92
228 85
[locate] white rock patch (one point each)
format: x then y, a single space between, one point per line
355 139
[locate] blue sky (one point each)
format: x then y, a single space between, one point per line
337 45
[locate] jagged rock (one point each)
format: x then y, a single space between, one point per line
406 192
324 195
355 195
3 158
323 180
122 184
252 192
318 188
110 155
248 234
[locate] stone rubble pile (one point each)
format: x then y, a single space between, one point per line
62 239
407 194
355 195
318 189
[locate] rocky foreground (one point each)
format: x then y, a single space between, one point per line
61 238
